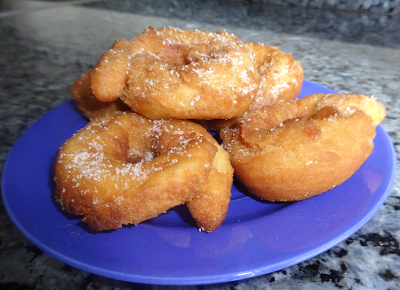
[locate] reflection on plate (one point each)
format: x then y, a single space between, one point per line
257 237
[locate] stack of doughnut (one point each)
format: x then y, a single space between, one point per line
150 103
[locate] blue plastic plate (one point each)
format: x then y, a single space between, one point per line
256 238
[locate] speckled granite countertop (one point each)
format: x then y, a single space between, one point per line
45 46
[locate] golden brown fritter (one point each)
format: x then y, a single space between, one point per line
297 149
180 74
124 169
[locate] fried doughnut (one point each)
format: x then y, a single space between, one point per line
180 74
281 79
124 169
90 106
297 149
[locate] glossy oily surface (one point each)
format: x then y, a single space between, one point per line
257 237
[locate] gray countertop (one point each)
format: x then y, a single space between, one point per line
46 45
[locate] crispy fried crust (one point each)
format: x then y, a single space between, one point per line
294 150
124 169
281 75
180 74
91 107
210 204
281 78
